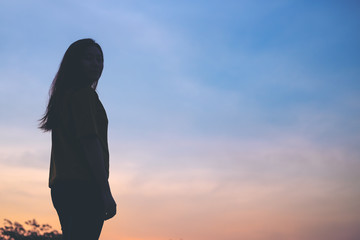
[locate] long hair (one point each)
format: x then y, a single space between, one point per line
69 76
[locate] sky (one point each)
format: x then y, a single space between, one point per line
228 119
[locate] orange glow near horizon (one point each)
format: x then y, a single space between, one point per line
262 211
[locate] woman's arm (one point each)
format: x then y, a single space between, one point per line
94 155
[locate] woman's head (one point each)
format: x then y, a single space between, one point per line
81 66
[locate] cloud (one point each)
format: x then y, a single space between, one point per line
225 163
24 147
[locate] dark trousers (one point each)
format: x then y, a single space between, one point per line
80 209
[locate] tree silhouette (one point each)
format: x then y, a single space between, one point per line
16 231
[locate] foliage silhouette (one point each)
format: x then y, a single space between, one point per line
16 231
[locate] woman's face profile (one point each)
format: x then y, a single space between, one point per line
91 63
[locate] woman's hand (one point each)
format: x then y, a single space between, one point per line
110 206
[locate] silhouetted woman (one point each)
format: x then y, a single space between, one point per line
79 166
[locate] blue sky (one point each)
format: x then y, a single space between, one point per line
211 97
